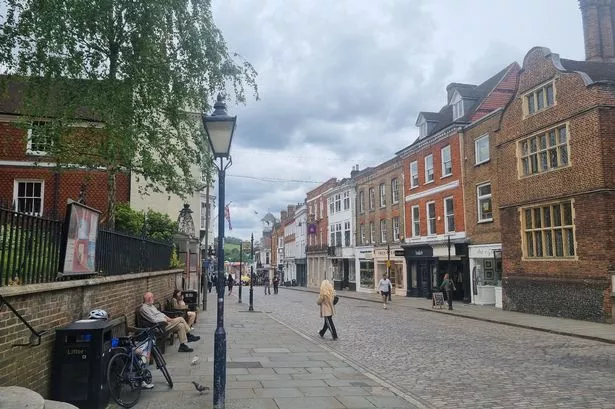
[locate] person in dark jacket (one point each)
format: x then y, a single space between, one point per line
230 282
448 286
276 283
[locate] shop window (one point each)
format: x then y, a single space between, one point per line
366 274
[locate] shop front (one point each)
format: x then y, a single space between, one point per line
391 261
364 264
427 265
486 270
342 260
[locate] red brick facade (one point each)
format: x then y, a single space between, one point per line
536 279
59 185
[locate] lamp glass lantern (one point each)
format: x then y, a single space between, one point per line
220 128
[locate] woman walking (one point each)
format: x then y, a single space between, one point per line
230 283
449 287
384 287
327 310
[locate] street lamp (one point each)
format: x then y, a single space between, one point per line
220 127
240 251
251 272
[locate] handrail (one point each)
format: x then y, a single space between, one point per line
35 336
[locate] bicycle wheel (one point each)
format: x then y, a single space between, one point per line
162 365
123 381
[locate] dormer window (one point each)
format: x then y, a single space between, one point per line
423 129
457 103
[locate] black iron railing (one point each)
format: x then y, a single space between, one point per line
30 250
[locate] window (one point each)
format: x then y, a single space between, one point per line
383 198
447 167
483 198
331 206
539 99
458 109
28 196
203 215
395 223
383 231
414 174
423 129
338 203
449 214
545 151
481 149
416 231
338 234
346 200
372 233
431 218
39 141
395 191
361 201
362 233
549 231
347 234
428 168
372 198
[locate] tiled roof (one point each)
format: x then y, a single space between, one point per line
478 93
597 71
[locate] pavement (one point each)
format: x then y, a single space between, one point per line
270 365
562 326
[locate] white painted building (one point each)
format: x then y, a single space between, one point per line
300 244
341 205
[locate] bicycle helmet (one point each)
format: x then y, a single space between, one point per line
98 315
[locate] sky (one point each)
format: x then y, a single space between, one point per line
341 82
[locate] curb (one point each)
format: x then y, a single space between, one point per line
511 324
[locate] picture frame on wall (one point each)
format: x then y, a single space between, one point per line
488 264
488 275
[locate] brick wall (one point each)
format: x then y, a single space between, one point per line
52 305
474 175
577 287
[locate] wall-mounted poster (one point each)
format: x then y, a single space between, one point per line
78 255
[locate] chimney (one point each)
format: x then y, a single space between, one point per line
354 171
291 211
599 29
283 215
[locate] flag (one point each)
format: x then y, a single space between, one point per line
227 216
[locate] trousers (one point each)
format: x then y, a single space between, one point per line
330 326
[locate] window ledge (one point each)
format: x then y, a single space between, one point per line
37 153
482 163
427 183
526 116
485 221
559 259
414 187
446 176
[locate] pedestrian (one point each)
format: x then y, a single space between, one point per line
276 283
327 310
267 284
384 288
449 286
214 282
230 283
210 283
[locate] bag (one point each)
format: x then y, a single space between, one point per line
335 300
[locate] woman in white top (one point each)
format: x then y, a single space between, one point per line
384 288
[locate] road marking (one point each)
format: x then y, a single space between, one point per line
416 401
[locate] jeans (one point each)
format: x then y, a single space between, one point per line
328 325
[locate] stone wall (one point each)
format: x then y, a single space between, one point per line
53 305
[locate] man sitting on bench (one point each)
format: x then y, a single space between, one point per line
179 325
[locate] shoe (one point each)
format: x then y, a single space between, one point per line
184 348
384 306
321 334
145 385
335 339
192 338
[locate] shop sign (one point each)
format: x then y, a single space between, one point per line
483 252
418 251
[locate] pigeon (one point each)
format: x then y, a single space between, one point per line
195 360
200 387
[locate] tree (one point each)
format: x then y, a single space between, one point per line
153 225
137 73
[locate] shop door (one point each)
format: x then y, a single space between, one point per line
424 279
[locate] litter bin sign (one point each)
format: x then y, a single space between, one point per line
80 357
190 298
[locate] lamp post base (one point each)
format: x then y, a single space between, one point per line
219 367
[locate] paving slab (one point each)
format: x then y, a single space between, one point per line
269 366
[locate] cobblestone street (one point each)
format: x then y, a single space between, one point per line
449 361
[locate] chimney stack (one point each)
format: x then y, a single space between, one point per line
354 171
599 29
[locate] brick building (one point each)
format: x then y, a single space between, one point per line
555 165
436 242
380 225
316 253
31 181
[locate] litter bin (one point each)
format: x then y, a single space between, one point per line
190 298
79 368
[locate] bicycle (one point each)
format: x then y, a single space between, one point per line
127 368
